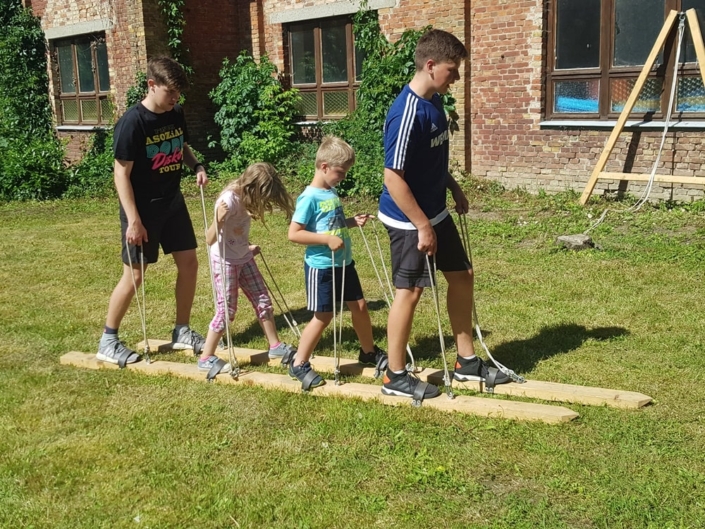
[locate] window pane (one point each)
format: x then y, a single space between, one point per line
303 57
636 27
649 99
577 34
106 110
577 96
86 82
335 54
69 110
309 104
101 53
66 69
335 103
688 55
89 111
691 95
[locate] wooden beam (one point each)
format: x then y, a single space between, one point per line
697 40
631 100
324 364
555 392
551 391
480 406
644 177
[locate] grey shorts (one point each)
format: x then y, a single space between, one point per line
409 264
168 226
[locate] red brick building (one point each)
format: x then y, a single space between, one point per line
543 89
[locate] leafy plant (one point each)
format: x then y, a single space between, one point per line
31 156
93 175
137 91
256 114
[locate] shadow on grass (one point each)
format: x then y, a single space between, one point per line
523 355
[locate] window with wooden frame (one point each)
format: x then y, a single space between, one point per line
83 80
324 67
597 49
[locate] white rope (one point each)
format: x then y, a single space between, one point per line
141 307
466 245
234 368
336 371
652 177
208 250
411 366
290 318
446 374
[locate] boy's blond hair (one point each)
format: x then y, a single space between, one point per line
439 46
335 152
259 188
165 71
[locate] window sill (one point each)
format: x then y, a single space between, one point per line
629 125
81 128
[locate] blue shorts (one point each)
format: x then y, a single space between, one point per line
319 287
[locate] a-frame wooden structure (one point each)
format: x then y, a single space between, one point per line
599 172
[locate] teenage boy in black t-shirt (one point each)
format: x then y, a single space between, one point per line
150 146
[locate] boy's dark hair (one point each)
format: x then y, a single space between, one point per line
439 46
165 71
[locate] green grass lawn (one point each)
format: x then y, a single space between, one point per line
109 449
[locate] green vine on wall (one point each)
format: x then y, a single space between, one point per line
173 11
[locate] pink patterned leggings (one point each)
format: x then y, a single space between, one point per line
246 276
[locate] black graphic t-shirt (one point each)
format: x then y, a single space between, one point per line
155 143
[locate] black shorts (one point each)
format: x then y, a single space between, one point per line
168 225
319 287
409 264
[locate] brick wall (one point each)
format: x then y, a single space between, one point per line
505 141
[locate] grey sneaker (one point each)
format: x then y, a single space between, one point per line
281 350
206 364
187 338
306 375
115 352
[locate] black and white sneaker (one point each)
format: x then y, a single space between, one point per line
407 385
476 369
116 352
306 375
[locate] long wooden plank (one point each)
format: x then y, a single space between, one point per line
324 364
645 177
556 392
484 407
535 389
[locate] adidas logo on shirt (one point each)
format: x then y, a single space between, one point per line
433 128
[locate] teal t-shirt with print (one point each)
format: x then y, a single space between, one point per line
320 211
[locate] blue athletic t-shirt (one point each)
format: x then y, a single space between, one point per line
416 142
320 211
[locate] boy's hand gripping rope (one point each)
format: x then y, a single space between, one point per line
141 307
411 366
462 221
446 374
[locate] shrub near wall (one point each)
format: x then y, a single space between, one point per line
31 157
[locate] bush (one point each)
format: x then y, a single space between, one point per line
93 175
31 156
256 113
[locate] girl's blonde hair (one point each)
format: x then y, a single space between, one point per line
259 188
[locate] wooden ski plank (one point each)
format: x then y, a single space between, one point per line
324 364
556 392
481 406
534 389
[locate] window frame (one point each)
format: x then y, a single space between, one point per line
606 72
350 86
97 95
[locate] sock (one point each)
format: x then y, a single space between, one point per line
399 372
468 357
275 345
109 330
